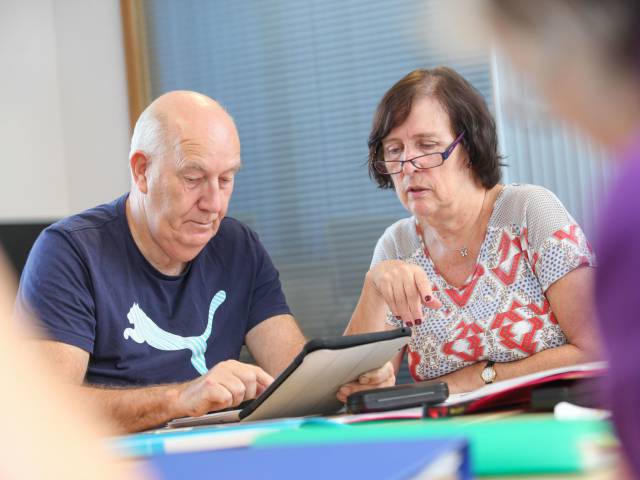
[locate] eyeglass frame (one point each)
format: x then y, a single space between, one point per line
445 155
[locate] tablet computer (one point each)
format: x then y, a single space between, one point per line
308 386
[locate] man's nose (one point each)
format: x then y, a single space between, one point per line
211 198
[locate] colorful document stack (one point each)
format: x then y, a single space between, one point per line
520 444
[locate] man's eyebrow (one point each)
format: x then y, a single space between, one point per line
235 169
188 165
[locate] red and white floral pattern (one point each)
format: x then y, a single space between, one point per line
501 312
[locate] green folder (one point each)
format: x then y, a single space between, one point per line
533 443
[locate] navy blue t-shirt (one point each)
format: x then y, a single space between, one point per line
90 286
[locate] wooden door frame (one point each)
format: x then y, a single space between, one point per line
134 29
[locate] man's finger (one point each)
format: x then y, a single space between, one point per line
235 386
218 398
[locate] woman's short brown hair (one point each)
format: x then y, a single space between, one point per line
467 112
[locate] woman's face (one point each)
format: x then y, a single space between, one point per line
428 129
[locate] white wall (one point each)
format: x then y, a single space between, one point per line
64 129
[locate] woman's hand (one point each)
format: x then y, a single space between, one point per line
405 289
384 376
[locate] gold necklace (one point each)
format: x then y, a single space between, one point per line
464 251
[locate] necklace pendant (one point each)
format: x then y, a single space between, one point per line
464 251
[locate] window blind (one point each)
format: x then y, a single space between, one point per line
302 79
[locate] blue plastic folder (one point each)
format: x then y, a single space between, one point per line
431 458
167 441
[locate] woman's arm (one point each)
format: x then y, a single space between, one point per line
390 285
572 302
370 313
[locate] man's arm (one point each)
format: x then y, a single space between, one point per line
275 342
133 409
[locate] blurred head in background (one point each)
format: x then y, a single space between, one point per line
50 432
583 55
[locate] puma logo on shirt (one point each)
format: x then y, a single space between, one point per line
145 330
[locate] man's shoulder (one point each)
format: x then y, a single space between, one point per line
91 219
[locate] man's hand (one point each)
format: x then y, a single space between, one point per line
226 385
382 377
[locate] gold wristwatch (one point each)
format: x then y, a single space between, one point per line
488 372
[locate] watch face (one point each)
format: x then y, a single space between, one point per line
488 374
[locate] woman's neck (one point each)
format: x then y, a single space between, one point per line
456 223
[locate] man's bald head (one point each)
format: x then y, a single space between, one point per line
174 115
185 152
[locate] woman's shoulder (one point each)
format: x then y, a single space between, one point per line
399 239
524 192
402 228
518 202
535 208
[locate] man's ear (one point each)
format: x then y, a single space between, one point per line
139 164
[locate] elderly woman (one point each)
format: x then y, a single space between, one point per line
495 280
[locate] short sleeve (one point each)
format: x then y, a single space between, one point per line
381 252
55 286
555 243
398 242
267 298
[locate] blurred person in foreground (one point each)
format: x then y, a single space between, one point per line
494 279
47 432
147 301
584 56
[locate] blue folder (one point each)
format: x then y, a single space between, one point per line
168 441
432 458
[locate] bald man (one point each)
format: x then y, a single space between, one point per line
148 300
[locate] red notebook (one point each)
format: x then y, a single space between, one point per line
514 393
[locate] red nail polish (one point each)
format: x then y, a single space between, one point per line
398 317
427 298
409 324
418 321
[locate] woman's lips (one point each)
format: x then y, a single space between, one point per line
416 192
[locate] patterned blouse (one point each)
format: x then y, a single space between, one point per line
501 312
